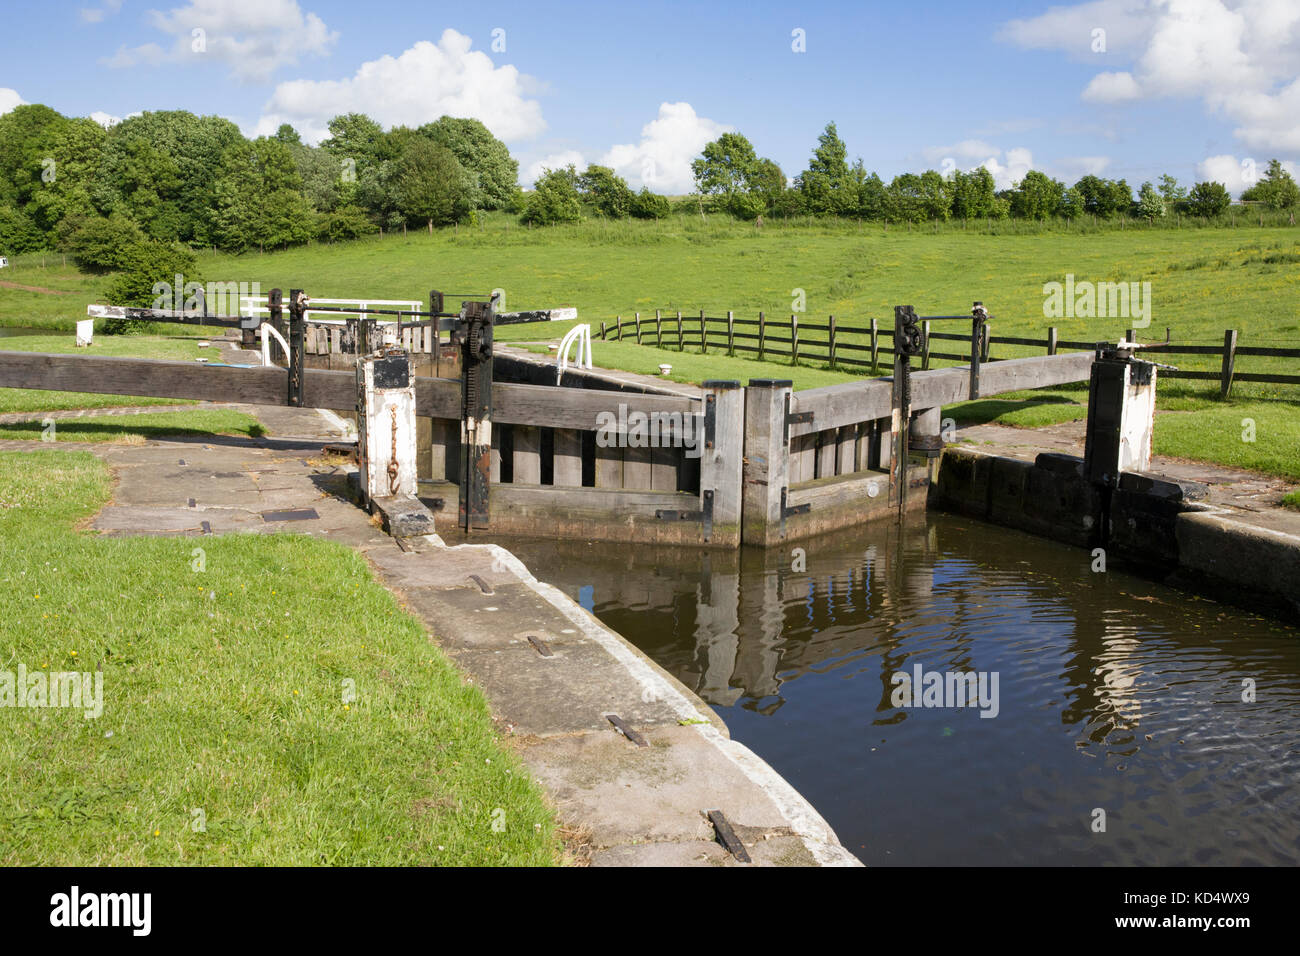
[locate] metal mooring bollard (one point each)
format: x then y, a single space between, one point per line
1121 414
386 423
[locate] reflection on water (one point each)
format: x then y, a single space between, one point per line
1115 694
6 333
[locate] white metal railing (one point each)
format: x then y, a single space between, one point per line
581 334
253 305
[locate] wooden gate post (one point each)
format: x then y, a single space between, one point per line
297 331
722 461
767 460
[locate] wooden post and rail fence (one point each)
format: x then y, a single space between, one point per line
790 339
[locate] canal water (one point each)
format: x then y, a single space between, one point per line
1170 721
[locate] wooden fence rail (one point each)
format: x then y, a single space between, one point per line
792 344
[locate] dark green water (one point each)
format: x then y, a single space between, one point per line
1114 693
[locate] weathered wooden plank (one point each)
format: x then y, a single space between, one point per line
663 469
722 465
567 458
609 467
157 378
494 469
527 455
574 407
846 443
636 469
827 453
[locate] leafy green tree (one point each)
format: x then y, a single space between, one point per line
144 264
345 222
648 205
1072 206
1150 204
765 180
488 160
873 196
1172 193
99 243
905 199
162 167
1276 190
1037 196
826 184
357 137
972 193
259 202
17 232
1208 199
288 135
554 198
936 196
432 185
725 166
606 192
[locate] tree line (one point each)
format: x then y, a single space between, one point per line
730 176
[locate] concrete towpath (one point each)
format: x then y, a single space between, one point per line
551 671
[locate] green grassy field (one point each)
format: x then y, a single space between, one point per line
226 735
138 428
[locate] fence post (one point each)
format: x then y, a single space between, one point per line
1229 359
297 330
602 330
830 340
794 339
762 334
1052 338
680 340
767 461
704 335
731 334
925 345
659 329
977 325
618 328
988 341
637 319
875 347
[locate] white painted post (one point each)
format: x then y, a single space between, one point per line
85 332
386 421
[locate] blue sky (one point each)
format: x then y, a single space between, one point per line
1196 88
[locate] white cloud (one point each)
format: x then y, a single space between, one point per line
1126 25
1112 88
9 99
253 37
105 120
662 159
553 161
968 149
423 83
1241 58
1018 161
98 14
1238 174
1072 168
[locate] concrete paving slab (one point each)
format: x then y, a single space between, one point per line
457 615
656 793
684 853
568 693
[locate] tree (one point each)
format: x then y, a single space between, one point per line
725 165
554 198
259 201
826 184
1208 199
98 243
936 196
1037 196
1150 204
432 185
345 222
1072 206
972 193
648 205
288 135
486 158
905 199
1172 193
766 181
606 192
1277 190
873 196
144 264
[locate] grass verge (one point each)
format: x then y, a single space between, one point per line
139 428
225 736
